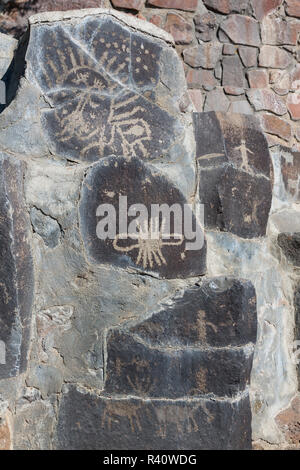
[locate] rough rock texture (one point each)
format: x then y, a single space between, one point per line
162 358
289 422
67 112
165 256
237 199
16 273
157 425
266 28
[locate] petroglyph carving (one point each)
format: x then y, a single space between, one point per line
150 241
99 78
244 154
116 410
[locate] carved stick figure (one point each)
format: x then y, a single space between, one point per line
244 153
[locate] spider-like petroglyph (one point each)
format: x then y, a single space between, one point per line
151 238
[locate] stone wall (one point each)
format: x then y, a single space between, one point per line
196 346
239 56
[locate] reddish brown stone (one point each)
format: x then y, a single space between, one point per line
293 101
276 126
229 49
295 78
263 99
129 4
293 8
206 26
188 5
216 100
234 91
276 31
233 73
157 20
281 81
258 78
293 104
181 30
203 55
200 78
274 57
14 17
241 30
289 422
5 437
264 7
248 56
196 97
227 6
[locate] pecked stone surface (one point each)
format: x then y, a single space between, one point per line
16 272
78 299
101 79
167 255
164 380
134 423
219 312
297 329
235 173
134 368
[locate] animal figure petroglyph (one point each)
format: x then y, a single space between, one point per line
150 241
114 411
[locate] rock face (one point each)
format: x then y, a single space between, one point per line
171 425
297 329
166 357
234 174
156 339
16 273
113 74
150 246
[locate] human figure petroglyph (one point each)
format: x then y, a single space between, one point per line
243 149
150 241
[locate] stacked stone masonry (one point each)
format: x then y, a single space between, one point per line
239 56
122 344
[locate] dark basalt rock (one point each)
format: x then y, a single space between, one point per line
290 170
232 146
219 312
167 257
246 202
100 78
290 245
91 422
297 329
134 368
16 270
